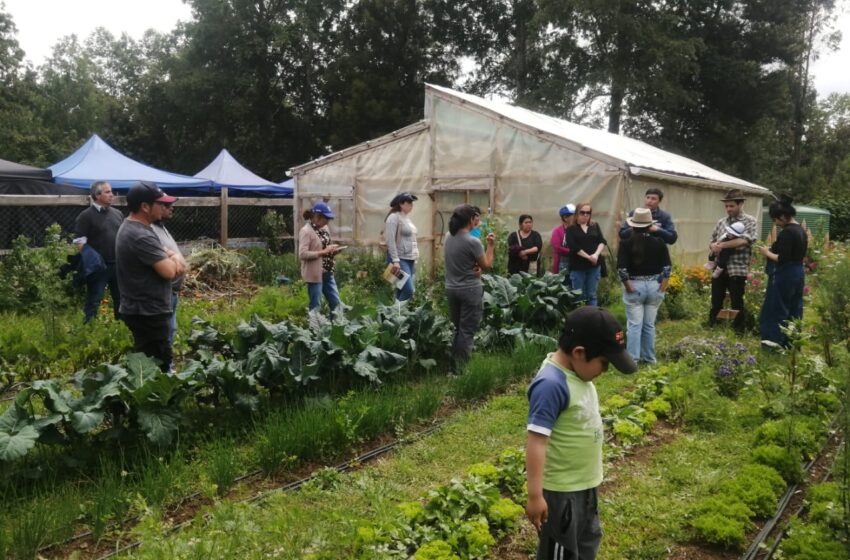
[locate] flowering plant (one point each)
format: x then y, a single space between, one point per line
732 364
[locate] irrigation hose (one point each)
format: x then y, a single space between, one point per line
290 486
755 546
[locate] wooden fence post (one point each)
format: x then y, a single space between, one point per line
223 229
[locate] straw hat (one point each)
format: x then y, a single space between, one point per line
640 218
734 195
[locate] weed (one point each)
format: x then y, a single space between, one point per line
108 501
222 465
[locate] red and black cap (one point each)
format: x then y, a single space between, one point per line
600 334
146 191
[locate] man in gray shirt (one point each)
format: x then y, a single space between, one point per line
145 270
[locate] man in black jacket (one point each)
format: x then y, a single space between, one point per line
97 227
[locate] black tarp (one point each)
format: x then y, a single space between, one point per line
11 170
31 221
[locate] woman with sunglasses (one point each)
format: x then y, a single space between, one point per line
586 243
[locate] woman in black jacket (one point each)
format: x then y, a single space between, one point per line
524 246
586 243
643 265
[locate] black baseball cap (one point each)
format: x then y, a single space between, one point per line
600 334
146 191
403 197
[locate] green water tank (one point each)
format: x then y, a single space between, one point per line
816 220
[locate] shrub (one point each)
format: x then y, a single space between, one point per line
757 488
273 227
627 432
786 462
723 521
825 505
436 550
659 407
802 432
811 542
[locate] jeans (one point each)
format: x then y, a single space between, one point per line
96 286
466 307
172 324
406 291
783 301
587 281
641 310
327 287
735 285
564 267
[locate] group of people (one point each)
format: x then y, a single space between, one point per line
564 427
138 259
643 263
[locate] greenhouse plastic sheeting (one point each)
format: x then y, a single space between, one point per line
466 151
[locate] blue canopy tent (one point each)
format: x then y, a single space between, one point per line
225 171
98 161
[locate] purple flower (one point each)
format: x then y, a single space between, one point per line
740 347
724 371
721 346
751 360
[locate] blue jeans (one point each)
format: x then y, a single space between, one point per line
783 301
641 310
328 287
587 281
406 291
172 324
95 288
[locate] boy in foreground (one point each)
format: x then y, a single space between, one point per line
564 449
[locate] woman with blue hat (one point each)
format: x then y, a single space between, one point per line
560 249
316 253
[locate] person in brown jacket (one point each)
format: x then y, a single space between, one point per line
317 256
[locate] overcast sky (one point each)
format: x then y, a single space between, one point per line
41 23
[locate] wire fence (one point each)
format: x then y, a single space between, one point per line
234 222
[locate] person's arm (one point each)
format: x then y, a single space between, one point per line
537 244
625 229
535 458
666 268
171 267
391 227
557 241
665 229
623 254
485 261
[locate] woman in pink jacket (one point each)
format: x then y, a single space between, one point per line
560 250
317 256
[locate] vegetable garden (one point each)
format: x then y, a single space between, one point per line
104 454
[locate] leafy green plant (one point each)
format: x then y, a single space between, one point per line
787 462
722 521
811 542
461 519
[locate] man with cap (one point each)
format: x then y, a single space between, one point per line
662 222
560 249
145 270
96 227
734 276
565 434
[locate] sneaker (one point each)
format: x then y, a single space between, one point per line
717 272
